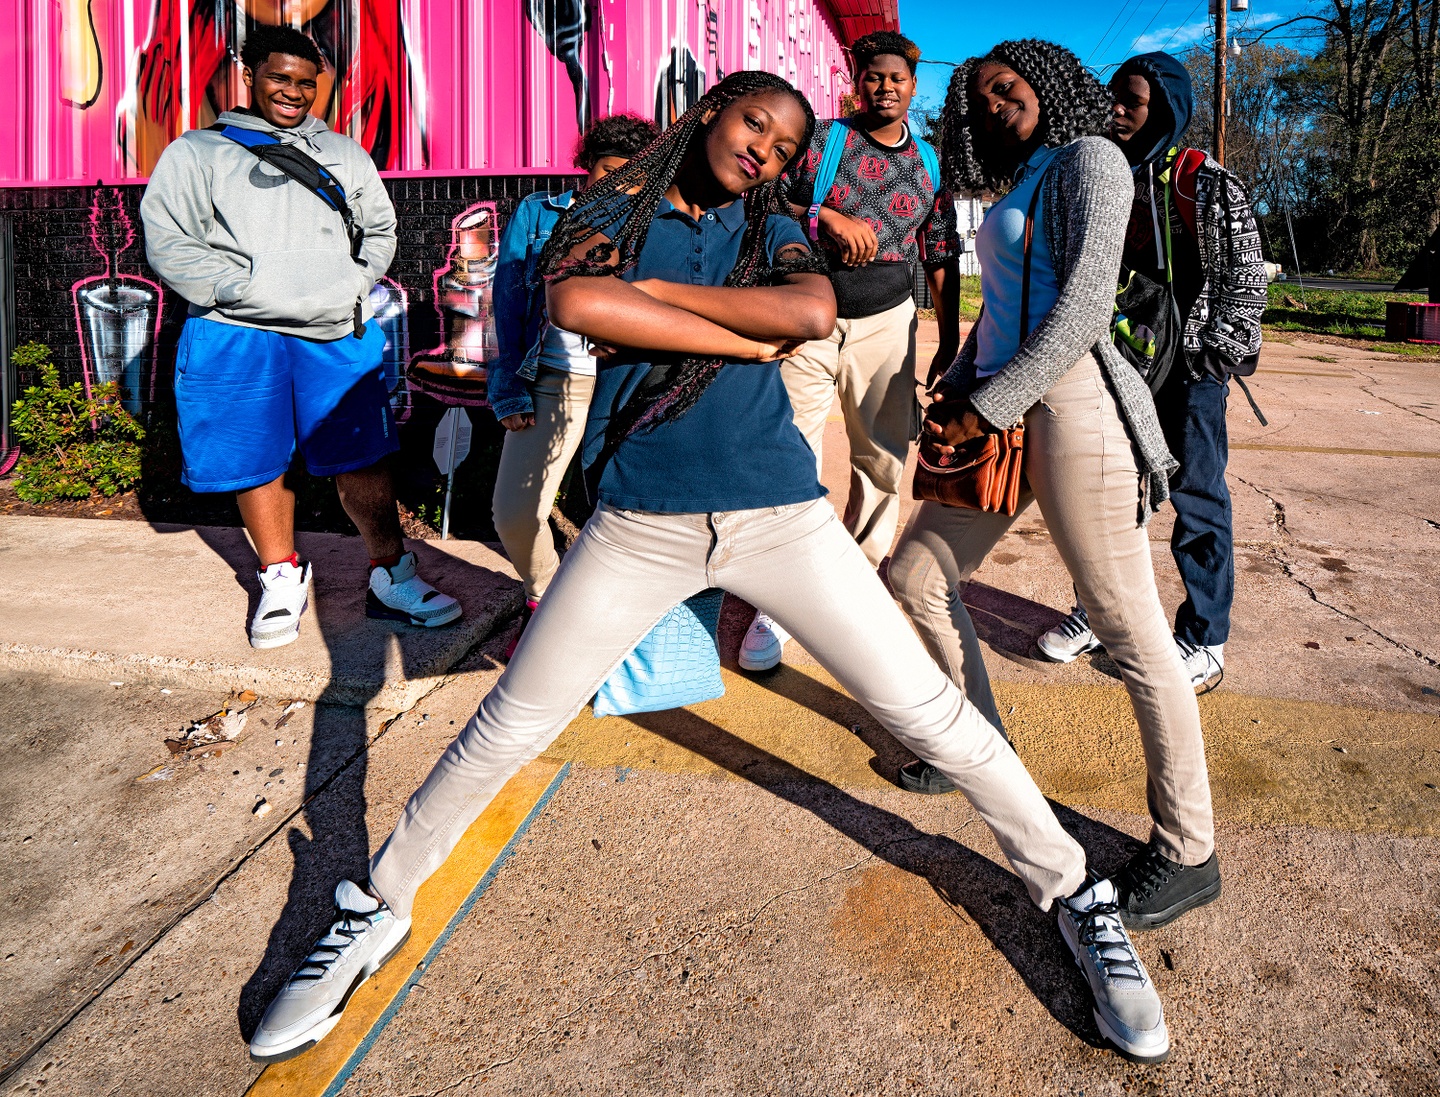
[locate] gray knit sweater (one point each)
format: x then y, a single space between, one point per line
1088 191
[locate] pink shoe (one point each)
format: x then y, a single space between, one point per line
531 605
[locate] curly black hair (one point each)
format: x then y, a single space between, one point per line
262 40
615 135
1072 104
878 43
621 207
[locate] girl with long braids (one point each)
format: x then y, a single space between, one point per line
680 261
1023 119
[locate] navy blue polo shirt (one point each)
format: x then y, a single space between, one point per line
738 448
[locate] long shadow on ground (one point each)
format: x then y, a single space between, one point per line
990 895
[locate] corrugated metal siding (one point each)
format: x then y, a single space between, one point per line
471 84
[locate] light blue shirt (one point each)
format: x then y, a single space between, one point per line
1000 247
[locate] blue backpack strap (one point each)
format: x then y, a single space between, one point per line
930 158
304 169
825 174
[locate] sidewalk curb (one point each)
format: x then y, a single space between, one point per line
391 695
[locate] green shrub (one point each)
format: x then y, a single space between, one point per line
71 445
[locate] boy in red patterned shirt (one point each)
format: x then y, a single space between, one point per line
881 217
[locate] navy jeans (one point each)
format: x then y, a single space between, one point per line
1192 414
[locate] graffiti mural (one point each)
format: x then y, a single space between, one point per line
117 316
454 372
391 305
678 85
562 23
188 72
493 86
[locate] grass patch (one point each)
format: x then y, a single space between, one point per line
1319 358
969 300
1409 350
1331 312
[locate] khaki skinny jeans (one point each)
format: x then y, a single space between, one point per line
1082 472
870 362
532 464
798 564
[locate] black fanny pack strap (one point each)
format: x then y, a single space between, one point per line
305 170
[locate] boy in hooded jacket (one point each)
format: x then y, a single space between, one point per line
1219 284
280 351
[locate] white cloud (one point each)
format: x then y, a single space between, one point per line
1177 38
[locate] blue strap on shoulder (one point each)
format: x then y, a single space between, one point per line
830 164
930 158
825 174
311 174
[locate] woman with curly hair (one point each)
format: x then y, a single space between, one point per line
683 259
541 381
1024 119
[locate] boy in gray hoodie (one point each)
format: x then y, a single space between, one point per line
279 353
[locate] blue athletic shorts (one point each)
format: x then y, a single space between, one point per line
249 398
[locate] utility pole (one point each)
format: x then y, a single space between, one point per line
1221 35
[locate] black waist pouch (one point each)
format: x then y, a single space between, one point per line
871 289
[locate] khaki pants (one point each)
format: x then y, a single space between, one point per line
798 564
532 464
1082 472
870 362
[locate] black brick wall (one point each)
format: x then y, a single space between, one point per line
53 251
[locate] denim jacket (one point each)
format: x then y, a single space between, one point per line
519 300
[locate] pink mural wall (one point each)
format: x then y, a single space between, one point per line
97 88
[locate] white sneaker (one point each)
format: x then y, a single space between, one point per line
284 594
1202 663
1068 640
398 594
763 644
366 933
1127 1007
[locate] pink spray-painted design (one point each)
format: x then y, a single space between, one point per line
391 305
454 372
117 316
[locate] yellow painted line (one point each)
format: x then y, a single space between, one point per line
1421 453
440 907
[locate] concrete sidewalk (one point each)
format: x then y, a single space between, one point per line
130 601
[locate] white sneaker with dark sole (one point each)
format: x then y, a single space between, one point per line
1068 640
284 594
1127 1007
1202 663
397 593
763 645
366 933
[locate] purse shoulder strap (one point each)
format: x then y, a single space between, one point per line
1025 278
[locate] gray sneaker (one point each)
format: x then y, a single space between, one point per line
1127 1008
1068 640
365 934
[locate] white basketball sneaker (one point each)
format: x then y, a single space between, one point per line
284 594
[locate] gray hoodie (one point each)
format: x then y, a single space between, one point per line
245 244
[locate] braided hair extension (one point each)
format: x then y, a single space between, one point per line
621 207
1072 104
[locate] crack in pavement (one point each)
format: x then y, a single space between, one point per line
1401 407
703 933
1287 568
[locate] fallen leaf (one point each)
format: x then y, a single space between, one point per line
247 697
1312 645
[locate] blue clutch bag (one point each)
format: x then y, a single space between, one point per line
676 664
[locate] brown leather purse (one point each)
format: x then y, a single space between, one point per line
984 473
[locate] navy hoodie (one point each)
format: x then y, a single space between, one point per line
1172 103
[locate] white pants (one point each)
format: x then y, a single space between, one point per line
870 363
798 564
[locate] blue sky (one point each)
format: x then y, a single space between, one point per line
952 30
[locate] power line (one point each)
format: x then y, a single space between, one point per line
1148 25
1123 25
1183 23
1108 29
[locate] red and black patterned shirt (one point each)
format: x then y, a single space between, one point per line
889 189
